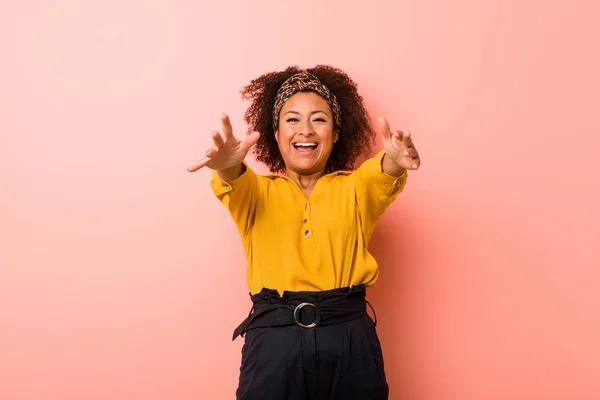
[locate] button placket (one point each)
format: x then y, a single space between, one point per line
307 232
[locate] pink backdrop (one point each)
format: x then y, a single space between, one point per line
122 277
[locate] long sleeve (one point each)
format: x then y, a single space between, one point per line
239 197
375 191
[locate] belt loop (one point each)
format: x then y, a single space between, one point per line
374 314
266 296
347 293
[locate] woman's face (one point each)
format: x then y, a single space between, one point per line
305 135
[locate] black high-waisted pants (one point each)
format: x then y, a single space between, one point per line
311 345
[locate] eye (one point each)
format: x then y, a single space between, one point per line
319 119
291 119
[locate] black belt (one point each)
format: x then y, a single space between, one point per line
306 309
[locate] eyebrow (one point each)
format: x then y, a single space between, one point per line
314 112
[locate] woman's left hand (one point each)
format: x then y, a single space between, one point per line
399 147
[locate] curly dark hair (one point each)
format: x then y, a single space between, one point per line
356 134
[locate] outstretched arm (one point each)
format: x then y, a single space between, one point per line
233 182
380 179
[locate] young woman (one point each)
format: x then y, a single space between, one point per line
306 229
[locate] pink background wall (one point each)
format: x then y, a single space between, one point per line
121 277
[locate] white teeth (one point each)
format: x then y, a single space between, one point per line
305 144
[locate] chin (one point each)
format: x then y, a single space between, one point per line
307 169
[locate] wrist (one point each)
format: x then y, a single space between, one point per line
391 167
232 173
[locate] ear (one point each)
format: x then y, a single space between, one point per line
277 136
335 137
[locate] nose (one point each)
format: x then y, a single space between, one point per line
306 128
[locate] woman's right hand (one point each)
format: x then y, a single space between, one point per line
227 151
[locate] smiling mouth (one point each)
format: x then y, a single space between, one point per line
305 147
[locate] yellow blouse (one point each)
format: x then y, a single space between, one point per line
318 243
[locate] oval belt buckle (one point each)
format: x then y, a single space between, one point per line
300 307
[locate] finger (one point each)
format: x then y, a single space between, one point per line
404 136
416 162
407 139
217 139
227 129
198 164
250 140
384 128
410 152
210 153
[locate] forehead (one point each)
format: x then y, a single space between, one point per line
306 101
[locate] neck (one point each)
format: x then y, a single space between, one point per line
306 182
